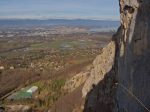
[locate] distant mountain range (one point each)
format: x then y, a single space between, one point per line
59 22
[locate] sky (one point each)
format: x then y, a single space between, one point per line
59 9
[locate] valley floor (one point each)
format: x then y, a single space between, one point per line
58 66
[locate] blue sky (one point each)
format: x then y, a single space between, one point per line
60 9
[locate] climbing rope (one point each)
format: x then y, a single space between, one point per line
136 98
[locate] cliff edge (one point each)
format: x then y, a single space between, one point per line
132 58
122 83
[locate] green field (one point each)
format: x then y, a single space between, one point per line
63 44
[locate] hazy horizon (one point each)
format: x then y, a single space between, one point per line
60 22
64 9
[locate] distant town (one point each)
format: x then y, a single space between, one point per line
46 61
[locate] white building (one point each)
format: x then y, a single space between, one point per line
33 89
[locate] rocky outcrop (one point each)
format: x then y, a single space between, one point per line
125 85
99 87
101 65
132 58
76 81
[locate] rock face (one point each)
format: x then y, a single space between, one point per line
76 81
130 73
132 58
98 88
101 65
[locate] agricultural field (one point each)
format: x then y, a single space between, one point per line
46 62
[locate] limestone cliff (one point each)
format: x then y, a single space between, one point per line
99 87
125 85
132 58
101 65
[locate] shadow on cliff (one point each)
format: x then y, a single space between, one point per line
133 67
134 71
101 97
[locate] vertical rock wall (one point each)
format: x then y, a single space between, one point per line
133 56
125 86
